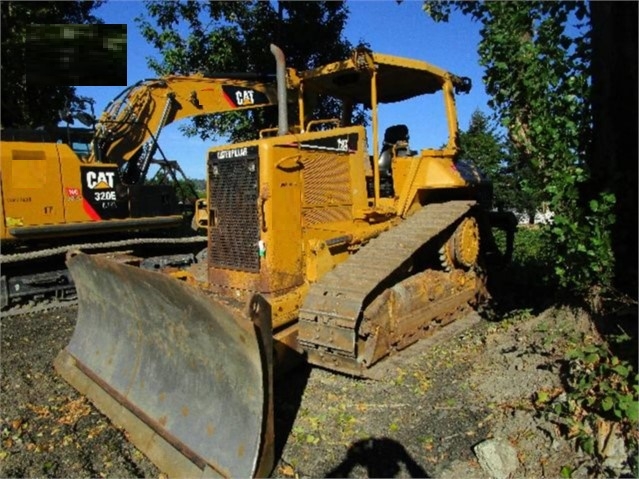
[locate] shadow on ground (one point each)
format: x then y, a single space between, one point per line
288 391
381 457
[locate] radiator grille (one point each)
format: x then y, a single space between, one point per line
234 218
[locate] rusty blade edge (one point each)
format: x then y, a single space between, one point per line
178 445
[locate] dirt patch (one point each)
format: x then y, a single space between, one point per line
422 418
429 412
48 430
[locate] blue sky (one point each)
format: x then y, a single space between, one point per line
391 28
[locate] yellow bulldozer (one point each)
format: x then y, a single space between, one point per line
315 247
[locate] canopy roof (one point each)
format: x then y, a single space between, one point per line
397 78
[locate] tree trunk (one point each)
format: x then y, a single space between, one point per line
614 148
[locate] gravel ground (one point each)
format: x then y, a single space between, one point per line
434 403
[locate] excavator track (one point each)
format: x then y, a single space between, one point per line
46 253
330 316
33 281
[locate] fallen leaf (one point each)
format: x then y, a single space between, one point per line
74 410
287 470
40 411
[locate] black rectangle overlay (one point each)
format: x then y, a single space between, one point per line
76 55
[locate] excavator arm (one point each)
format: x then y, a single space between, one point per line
128 130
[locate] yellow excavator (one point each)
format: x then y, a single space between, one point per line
89 186
315 248
87 182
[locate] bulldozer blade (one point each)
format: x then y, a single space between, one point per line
177 370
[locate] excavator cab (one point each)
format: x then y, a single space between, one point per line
303 259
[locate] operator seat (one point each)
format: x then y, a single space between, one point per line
394 136
395 144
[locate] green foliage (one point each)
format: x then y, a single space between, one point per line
587 257
566 472
63 54
530 247
530 272
528 283
186 189
537 58
235 37
26 105
512 182
602 383
602 396
530 250
200 187
481 144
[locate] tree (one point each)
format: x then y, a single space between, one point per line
481 144
235 37
513 184
613 158
25 104
537 60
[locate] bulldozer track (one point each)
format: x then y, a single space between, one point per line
329 317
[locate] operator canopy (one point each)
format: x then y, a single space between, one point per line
397 78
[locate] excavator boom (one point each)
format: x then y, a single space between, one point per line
130 126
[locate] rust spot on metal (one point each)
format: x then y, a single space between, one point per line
240 450
185 411
162 421
162 397
210 429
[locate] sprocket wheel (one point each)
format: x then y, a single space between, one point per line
462 248
447 254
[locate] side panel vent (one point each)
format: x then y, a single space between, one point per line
327 188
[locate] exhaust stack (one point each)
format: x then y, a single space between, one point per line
282 113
